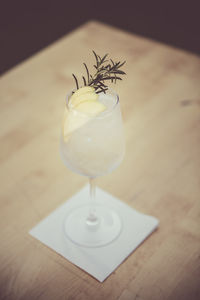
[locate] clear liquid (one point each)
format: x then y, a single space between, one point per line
97 147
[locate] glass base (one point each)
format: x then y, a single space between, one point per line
92 229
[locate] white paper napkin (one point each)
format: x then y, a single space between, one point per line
99 262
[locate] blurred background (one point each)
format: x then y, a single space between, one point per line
27 26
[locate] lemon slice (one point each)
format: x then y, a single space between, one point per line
83 90
83 106
91 108
88 96
83 113
72 121
80 92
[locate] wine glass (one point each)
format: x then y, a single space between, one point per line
93 146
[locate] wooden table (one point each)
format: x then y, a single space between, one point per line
160 175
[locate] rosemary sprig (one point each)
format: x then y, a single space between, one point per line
105 70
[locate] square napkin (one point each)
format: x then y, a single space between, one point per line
102 261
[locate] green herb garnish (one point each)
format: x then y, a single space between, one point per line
105 70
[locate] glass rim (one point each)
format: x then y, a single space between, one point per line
101 115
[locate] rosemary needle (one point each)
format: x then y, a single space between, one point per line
105 70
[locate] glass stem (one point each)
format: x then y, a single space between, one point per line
92 217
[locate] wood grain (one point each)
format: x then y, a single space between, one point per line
160 175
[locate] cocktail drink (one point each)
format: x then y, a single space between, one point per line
95 146
92 145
